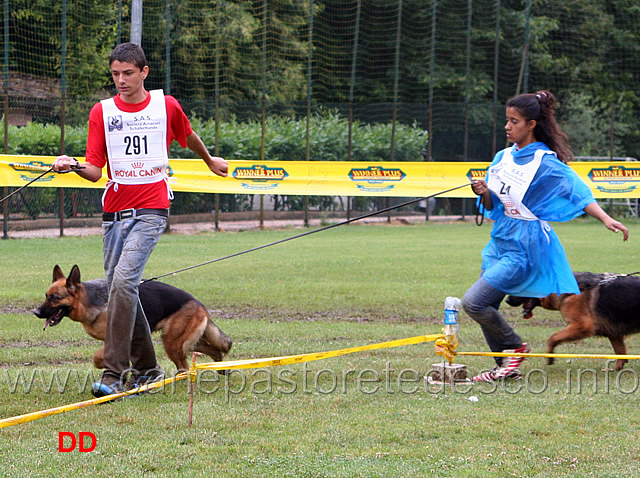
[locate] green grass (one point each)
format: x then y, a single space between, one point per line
365 414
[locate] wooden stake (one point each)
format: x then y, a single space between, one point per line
192 384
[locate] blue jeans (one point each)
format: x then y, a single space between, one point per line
127 245
481 302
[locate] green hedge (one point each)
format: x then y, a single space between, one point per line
285 139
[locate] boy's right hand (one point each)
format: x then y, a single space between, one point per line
65 163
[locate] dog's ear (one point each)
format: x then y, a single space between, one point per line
57 273
73 281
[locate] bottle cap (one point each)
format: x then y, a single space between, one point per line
452 303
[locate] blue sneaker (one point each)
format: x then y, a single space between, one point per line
106 386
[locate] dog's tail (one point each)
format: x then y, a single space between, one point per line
217 337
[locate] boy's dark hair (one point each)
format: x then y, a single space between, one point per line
129 53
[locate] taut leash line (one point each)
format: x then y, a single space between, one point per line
50 170
308 233
26 185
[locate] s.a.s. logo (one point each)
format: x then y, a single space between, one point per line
376 178
260 176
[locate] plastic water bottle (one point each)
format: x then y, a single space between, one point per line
451 326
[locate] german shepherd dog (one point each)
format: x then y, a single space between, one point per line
183 320
607 306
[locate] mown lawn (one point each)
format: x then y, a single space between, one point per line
365 414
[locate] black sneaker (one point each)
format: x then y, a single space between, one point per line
137 380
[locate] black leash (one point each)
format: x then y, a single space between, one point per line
348 221
609 277
480 212
50 170
26 185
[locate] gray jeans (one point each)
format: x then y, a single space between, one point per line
481 302
127 245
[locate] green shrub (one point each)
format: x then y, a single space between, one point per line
285 139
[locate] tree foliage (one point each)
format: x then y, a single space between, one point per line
582 50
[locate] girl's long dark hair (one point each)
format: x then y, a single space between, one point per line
539 106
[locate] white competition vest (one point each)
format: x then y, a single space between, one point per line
510 181
137 142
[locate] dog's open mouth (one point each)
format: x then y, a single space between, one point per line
527 303
54 319
527 308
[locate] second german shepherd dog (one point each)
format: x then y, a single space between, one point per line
607 306
183 320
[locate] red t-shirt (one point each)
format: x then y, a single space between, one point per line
154 195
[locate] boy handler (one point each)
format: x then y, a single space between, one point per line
130 134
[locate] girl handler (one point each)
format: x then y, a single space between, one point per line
526 186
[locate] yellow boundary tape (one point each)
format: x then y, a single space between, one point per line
29 417
593 356
236 364
310 357
442 348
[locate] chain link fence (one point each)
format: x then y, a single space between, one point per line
444 67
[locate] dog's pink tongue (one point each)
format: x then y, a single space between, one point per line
46 323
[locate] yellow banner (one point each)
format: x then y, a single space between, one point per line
326 178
